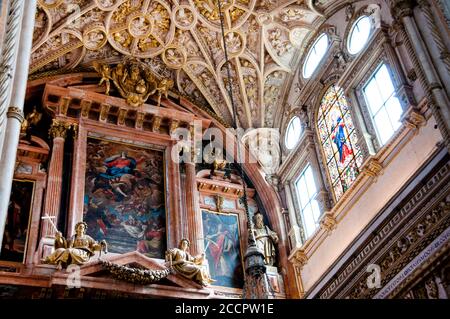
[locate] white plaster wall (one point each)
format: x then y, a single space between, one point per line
395 175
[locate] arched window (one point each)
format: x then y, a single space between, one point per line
359 35
315 55
339 140
293 131
309 207
384 106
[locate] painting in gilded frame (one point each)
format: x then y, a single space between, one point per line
17 221
124 200
223 249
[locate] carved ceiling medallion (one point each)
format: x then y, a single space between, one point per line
181 40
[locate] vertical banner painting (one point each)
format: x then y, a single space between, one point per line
17 220
124 200
222 248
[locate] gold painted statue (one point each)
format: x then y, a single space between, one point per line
32 119
188 266
266 239
77 250
134 81
219 164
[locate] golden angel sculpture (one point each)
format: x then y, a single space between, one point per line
31 120
77 250
188 266
134 81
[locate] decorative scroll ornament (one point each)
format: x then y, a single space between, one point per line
134 81
135 275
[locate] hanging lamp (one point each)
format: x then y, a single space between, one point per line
256 284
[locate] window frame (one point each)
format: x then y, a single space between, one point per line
297 203
301 126
320 147
371 115
322 59
352 28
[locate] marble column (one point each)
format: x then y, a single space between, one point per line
428 68
74 205
8 57
194 216
58 131
403 11
175 227
15 111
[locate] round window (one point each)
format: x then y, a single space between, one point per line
315 55
359 35
294 129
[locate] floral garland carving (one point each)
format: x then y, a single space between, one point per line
135 275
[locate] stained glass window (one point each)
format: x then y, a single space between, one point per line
339 140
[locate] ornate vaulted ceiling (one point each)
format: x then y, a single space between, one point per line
181 39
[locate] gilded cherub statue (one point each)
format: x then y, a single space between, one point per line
32 119
134 81
163 88
188 266
77 250
220 165
105 72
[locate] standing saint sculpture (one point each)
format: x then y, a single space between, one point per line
77 250
188 266
266 239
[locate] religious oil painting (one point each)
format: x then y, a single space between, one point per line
124 201
223 249
17 221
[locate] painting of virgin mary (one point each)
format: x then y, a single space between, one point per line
124 197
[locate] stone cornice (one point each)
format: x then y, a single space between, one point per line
76 104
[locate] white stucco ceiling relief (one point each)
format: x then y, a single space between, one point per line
182 39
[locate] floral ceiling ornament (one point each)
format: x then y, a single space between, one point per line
180 40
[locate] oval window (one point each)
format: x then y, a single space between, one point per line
315 55
293 132
359 35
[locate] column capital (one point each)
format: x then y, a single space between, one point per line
59 129
423 3
401 8
16 113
